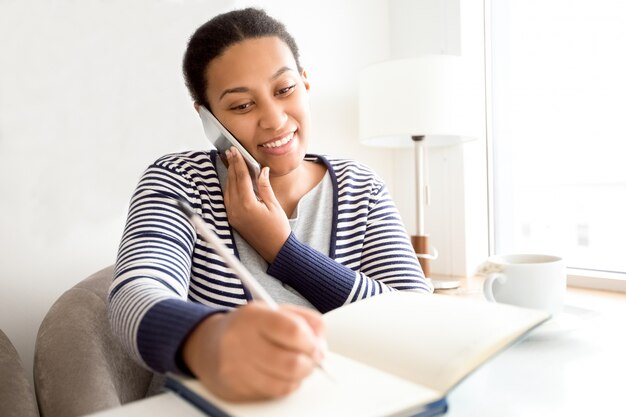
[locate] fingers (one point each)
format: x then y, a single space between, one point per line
284 365
312 317
315 324
292 331
262 222
238 173
255 352
288 346
292 349
266 193
252 378
258 359
241 176
258 386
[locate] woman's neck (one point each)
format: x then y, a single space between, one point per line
290 188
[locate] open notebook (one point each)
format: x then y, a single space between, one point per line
396 354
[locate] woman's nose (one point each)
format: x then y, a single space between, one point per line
273 116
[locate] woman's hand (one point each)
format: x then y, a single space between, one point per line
254 352
262 222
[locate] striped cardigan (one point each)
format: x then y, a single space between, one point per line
166 281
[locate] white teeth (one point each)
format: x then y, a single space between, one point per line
279 142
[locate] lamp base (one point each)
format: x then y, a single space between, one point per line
421 247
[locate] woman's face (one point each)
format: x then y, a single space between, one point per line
256 91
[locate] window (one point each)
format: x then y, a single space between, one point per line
558 83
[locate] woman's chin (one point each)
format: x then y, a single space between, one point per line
284 159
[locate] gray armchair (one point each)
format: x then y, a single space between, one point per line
80 367
17 398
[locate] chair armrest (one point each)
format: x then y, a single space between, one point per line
17 398
80 367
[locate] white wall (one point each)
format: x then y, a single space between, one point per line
91 92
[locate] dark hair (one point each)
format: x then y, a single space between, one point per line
212 38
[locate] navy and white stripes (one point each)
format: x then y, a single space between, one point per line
161 266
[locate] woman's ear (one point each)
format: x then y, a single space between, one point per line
305 80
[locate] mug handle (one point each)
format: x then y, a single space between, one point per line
488 285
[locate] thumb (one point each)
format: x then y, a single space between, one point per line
315 323
313 318
266 193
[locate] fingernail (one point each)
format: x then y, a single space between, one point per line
319 356
228 154
266 172
321 351
323 346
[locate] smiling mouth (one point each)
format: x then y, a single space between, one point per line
279 142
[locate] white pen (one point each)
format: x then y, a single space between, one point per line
257 291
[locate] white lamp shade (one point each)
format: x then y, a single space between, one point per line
430 95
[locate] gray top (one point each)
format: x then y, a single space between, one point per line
311 223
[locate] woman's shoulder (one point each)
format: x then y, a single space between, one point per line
194 159
186 164
351 177
345 169
341 165
184 167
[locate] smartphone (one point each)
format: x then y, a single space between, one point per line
222 139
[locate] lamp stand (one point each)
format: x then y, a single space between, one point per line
420 246
420 241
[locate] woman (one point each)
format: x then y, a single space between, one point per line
321 232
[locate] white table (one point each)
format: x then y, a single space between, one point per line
575 367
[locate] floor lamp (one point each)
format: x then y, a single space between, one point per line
424 101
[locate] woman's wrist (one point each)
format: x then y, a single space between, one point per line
270 249
198 347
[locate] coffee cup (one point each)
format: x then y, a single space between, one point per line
526 280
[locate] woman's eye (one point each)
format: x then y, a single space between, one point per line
242 107
286 90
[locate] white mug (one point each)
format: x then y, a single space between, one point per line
526 280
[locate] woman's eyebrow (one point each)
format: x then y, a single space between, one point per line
280 72
277 74
234 90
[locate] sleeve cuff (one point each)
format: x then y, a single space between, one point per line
324 282
163 331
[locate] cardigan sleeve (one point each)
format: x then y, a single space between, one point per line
376 256
148 307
